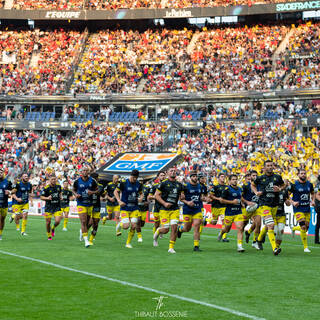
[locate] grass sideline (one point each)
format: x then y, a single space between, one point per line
254 283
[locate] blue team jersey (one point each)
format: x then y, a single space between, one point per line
192 193
4 185
23 190
130 194
248 194
301 193
231 193
81 187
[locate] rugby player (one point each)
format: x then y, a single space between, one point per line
96 208
267 188
280 218
143 208
317 210
156 208
249 199
128 194
202 181
232 197
83 189
168 194
302 192
67 196
217 207
22 191
5 190
112 204
192 209
51 194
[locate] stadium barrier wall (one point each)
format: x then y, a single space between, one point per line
38 209
130 14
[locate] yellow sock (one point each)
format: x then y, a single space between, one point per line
18 226
130 236
255 236
250 230
196 243
224 236
303 235
1 232
48 234
154 229
24 224
262 233
171 244
91 237
272 239
297 228
201 228
65 222
139 235
85 234
239 242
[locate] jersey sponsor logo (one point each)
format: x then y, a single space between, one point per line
186 218
146 162
266 211
123 215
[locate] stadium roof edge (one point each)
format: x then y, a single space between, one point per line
132 14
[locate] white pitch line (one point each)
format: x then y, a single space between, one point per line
130 284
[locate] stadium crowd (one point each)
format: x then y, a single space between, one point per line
66 155
239 148
231 146
37 62
219 59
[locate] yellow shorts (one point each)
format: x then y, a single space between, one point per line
190 217
267 211
143 215
280 219
302 215
95 214
228 220
112 209
156 216
3 212
19 208
129 214
49 215
247 216
169 216
65 210
216 212
87 210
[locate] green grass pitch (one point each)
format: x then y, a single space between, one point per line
254 283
